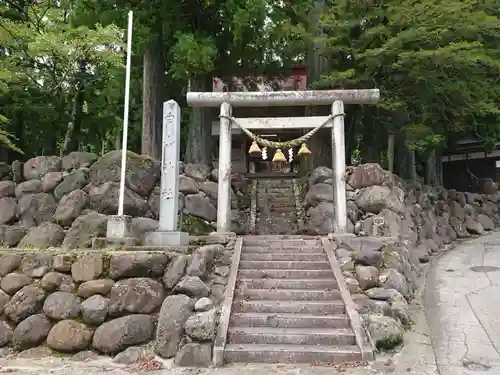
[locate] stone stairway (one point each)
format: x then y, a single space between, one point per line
276 207
288 306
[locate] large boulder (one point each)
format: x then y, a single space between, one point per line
95 309
139 295
141 226
202 261
70 207
44 236
31 332
385 332
13 282
175 271
318 193
374 199
84 229
199 206
486 222
9 262
104 199
198 172
77 159
193 286
154 202
74 181
140 177
69 336
320 175
194 354
26 302
188 185
8 210
320 219
473 226
28 187
51 180
93 287
137 265
36 264
89 266
34 209
4 298
36 168
366 175
7 189
62 305
118 334
202 326
174 313
10 235
367 276
5 334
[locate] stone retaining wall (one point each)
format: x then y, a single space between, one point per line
418 221
108 301
52 201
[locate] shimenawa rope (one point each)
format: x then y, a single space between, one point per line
293 143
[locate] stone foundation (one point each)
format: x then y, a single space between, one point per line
398 226
107 301
50 201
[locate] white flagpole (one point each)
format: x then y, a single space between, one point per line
125 115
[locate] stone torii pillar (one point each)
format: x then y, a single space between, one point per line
227 100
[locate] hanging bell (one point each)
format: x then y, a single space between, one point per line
279 157
304 151
255 150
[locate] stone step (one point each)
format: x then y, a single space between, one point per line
286 256
284 274
287 306
289 210
270 242
327 283
291 354
289 294
285 201
289 320
296 336
289 265
247 249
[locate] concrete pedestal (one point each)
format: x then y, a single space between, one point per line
119 226
166 238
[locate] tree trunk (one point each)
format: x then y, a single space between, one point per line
198 147
152 98
71 126
370 147
76 137
412 165
390 152
433 175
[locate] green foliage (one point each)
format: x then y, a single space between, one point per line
436 63
54 74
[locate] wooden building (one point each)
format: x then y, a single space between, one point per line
467 167
240 142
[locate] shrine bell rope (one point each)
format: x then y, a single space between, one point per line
279 145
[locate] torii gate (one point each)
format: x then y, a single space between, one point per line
227 100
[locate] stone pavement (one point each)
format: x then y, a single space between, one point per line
459 333
463 307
